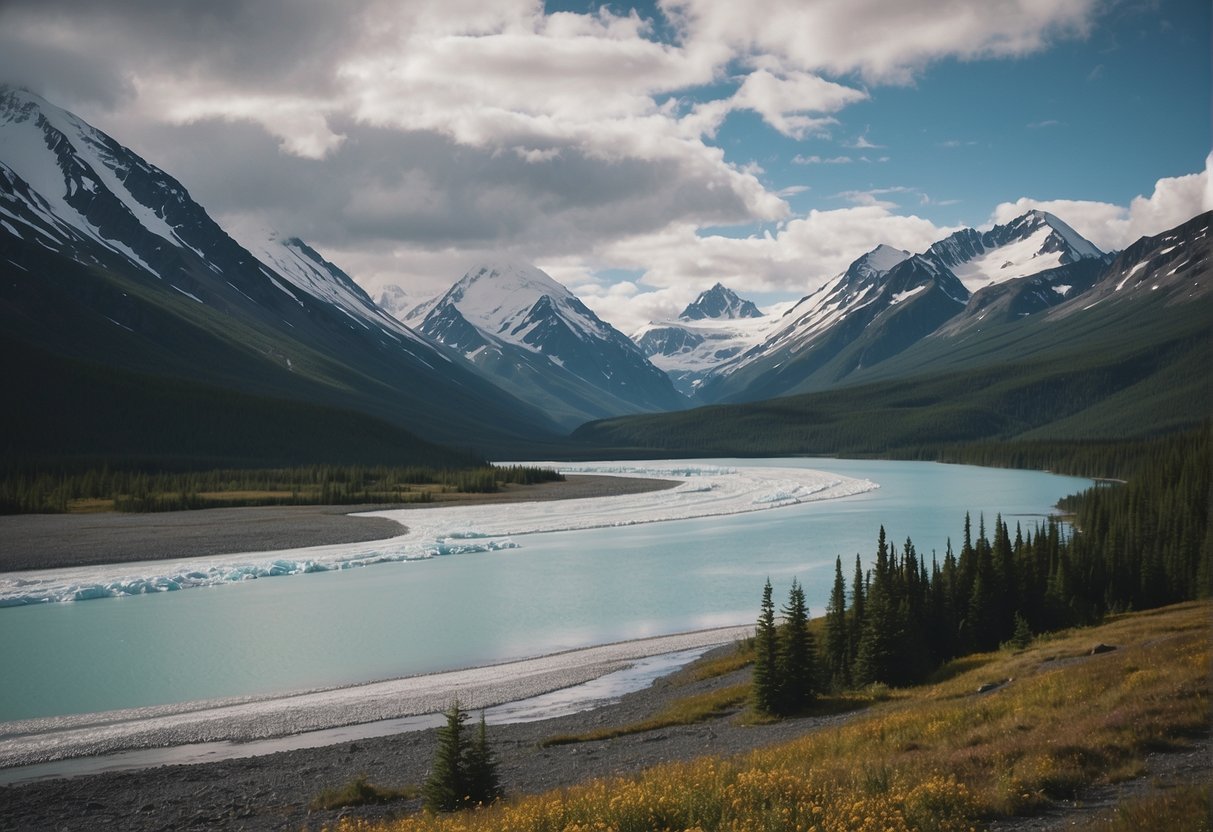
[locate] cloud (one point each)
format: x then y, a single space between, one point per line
1039 125
882 42
819 160
1114 227
862 143
784 100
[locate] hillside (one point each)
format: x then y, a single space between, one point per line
1128 357
109 271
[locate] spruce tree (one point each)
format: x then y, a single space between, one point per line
765 682
447 789
796 666
480 769
838 639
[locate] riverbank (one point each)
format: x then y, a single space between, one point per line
53 541
272 792
248 719
1059 702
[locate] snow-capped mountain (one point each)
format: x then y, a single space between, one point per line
106 258
1174 266
394 300
712 329
719 303
1028 245
537 339
888 299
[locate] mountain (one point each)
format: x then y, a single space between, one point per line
395 301
112 273
536 339
719 303
713 328
888 300
1126 356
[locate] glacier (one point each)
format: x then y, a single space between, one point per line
702 490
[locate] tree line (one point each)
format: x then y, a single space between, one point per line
1137 545
51 491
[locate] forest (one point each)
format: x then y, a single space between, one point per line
105 488
1141 544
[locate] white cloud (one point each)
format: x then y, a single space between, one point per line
821 160
1114 227
882 41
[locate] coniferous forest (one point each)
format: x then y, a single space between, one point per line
1135 545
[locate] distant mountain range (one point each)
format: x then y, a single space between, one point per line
714 328
1102 346
135 327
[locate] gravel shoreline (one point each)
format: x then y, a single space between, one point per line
272 792
52 541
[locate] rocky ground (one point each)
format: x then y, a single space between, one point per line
50 541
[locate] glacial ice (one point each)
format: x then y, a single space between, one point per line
703 491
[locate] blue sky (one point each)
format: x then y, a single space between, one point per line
641 153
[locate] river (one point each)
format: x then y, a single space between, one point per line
554 590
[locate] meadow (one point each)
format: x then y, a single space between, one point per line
1053 719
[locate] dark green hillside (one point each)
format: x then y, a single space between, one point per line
224 365
1131 370
71 413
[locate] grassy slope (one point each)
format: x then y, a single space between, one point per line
935 757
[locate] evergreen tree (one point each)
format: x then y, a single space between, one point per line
838 639
480 769
796 666
765 680
858 610
447 789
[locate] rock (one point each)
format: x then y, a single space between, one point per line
1102 648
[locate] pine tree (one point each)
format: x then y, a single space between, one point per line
838 639
796 666
765 682
447 789
480 769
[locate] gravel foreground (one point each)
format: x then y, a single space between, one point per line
272 792
51 541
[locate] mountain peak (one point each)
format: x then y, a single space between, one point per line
719 302
1033 242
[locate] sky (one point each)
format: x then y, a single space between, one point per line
640 153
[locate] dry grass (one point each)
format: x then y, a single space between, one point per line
360 792
938 758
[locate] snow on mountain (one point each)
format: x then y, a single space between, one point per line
1029 244
394 300
845 294
715 327
107 244
306 270
884 300
537 339
719 303
1173 267
85 181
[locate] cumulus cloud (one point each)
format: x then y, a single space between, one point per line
1174 200
410 140
883 42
